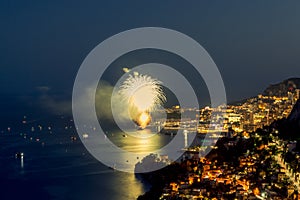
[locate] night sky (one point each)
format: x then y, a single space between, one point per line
43 43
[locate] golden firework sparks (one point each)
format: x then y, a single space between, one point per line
143 94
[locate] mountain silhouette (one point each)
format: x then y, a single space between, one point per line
281 89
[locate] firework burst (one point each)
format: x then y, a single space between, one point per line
143 94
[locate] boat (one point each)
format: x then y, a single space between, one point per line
19 155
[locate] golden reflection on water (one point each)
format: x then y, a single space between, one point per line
140 141
134 189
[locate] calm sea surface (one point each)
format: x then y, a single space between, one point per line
55 167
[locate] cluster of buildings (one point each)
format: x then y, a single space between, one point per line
249 161
254 113
257 171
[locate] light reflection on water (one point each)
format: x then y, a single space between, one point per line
130 148
141 141
110 186
65 170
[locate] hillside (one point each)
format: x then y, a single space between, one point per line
281 89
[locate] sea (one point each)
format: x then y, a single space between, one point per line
56 165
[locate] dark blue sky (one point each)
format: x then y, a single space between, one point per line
43 43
